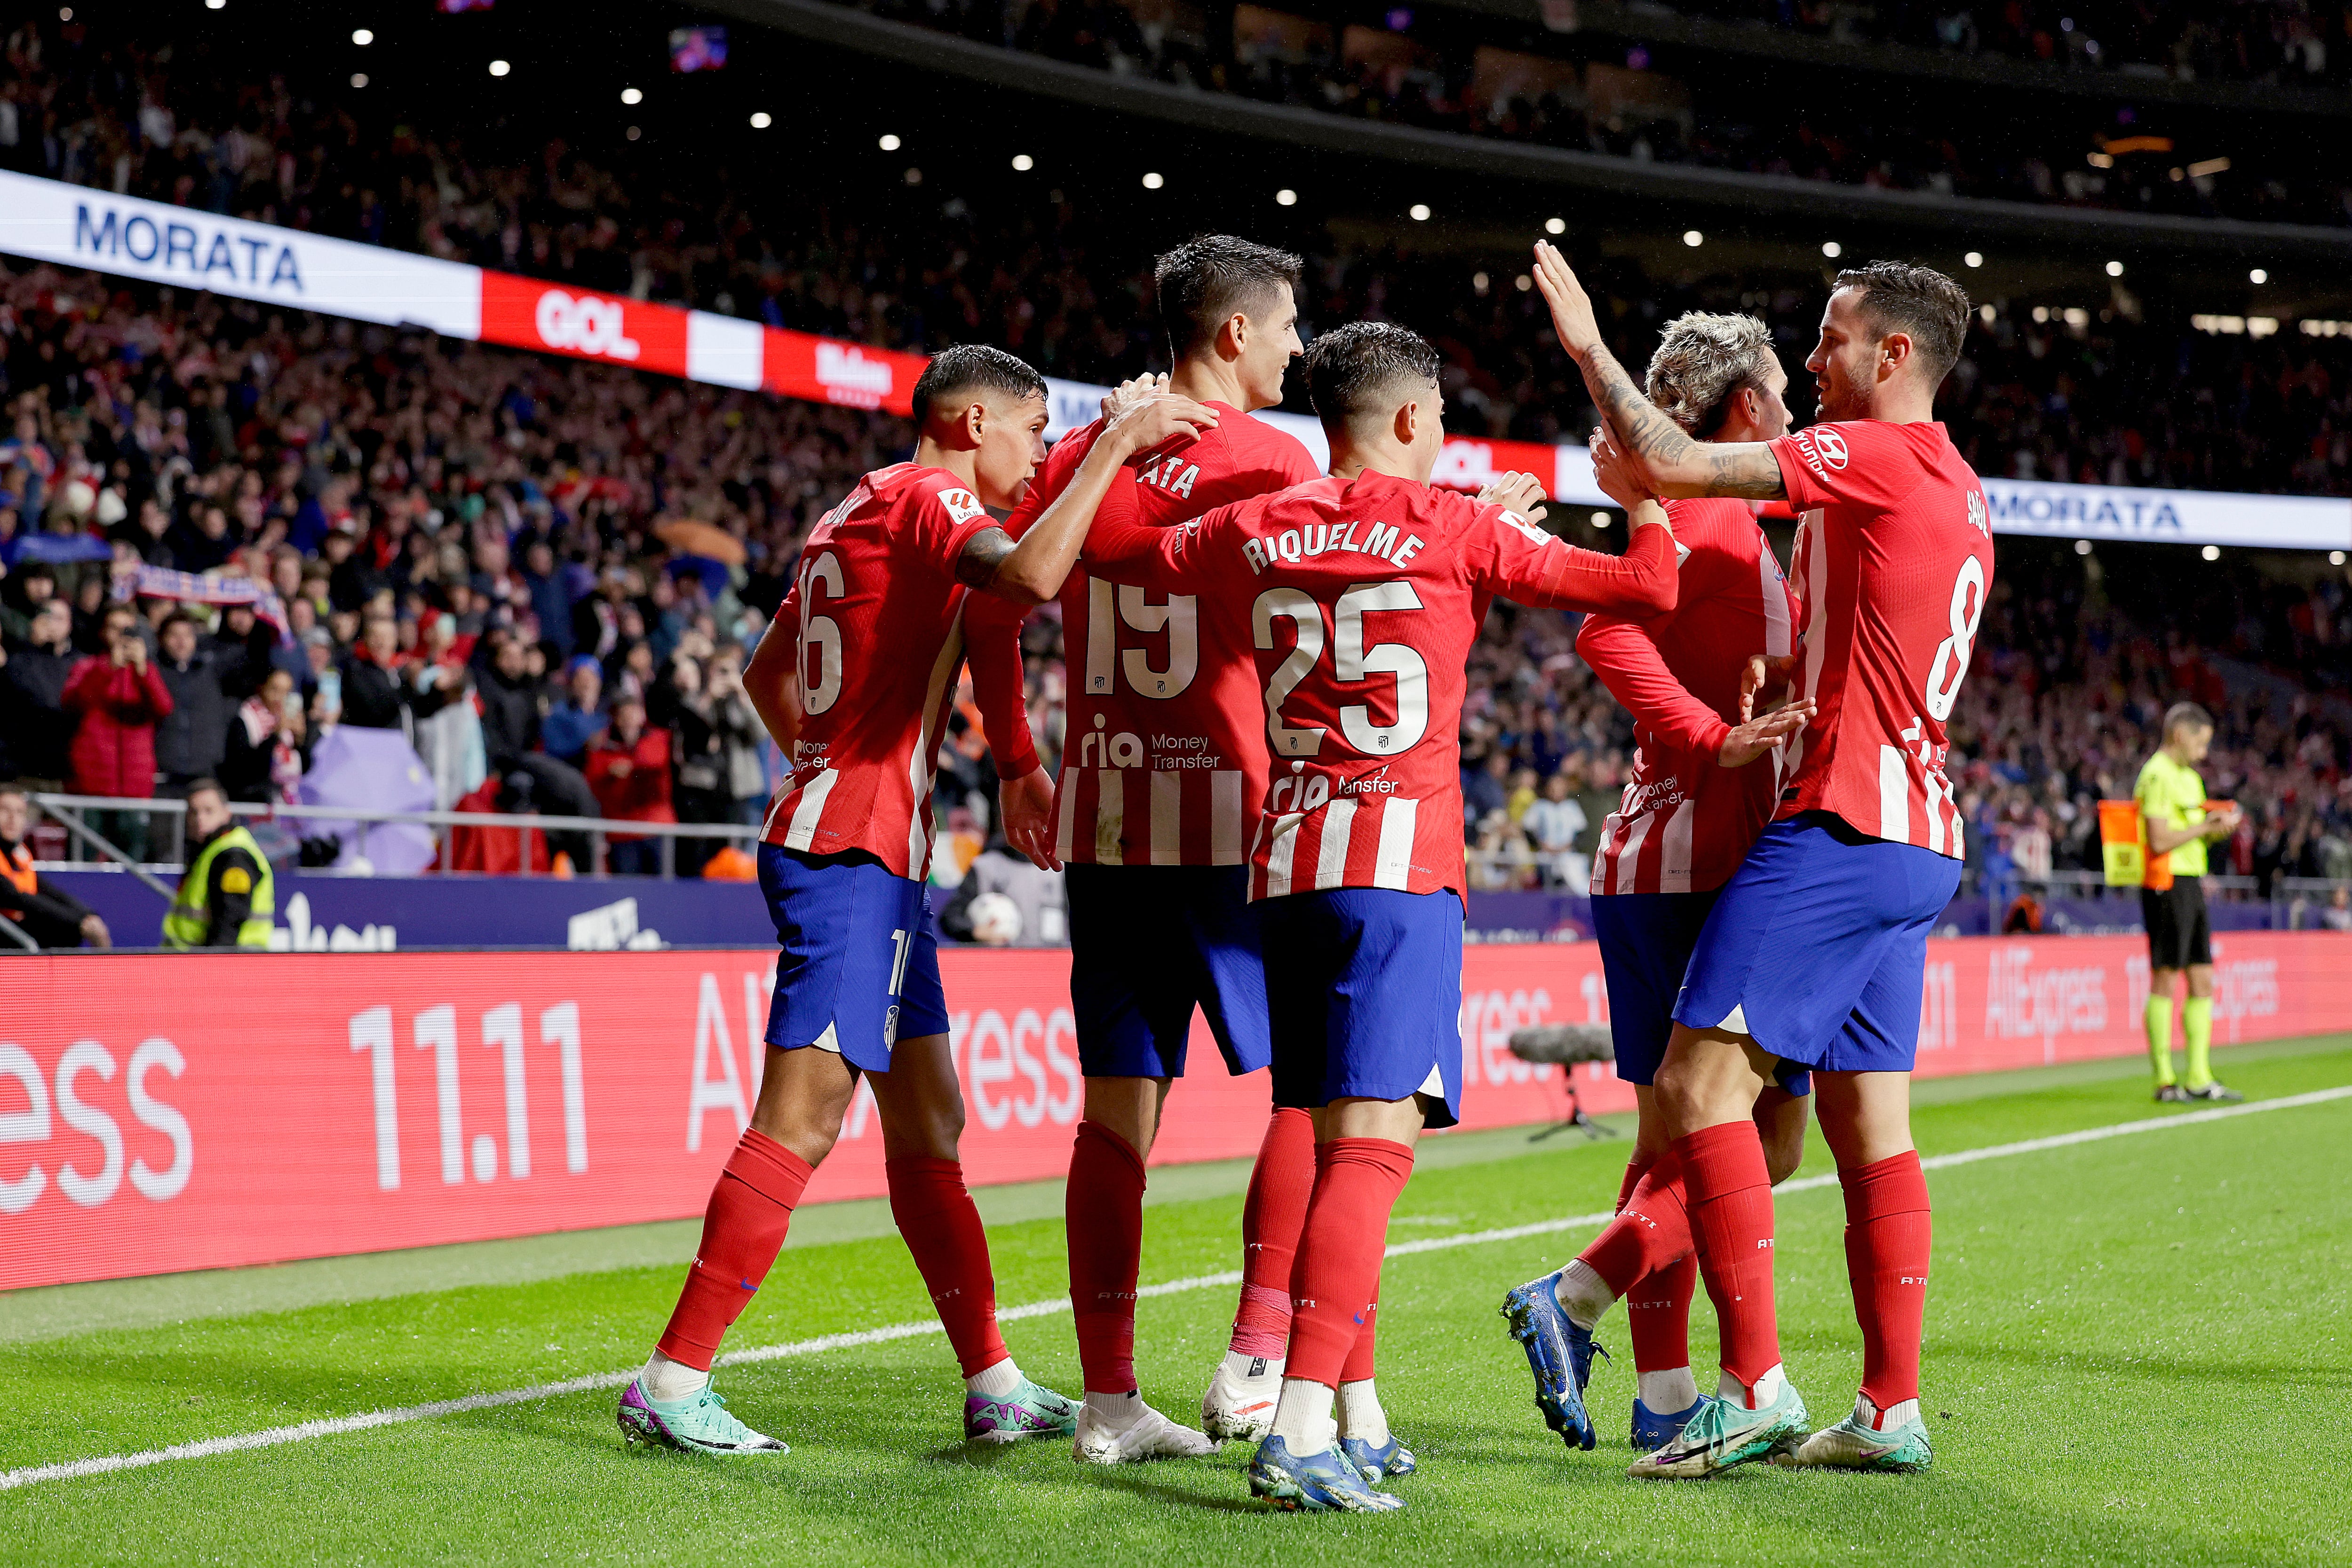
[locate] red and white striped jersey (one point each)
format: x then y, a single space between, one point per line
1165 752
1360 599
1893 561
1687 821
878 616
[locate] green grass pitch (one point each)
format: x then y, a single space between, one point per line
2136 1348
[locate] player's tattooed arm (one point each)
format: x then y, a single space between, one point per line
1670 462
986 552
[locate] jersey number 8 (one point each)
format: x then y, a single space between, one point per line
1351 661
1952 654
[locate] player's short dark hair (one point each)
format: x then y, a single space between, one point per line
973 367
1208 278
2186 714
1898 297
205 787
1349 368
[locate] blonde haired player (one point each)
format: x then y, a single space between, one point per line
1706 779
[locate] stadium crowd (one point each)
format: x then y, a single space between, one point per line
467 544
2129 394
1442 72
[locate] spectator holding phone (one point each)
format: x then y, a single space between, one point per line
118 697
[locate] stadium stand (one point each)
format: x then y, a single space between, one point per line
478 497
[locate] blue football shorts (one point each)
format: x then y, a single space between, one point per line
1646 947
1364 989
1817 947
1147 944
860 965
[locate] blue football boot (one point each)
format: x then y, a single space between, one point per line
1392 1459
1314 1483
1559 1354
1653 1431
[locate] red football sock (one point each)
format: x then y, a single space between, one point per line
1102 1212
1651 1231
1657 1315
942 1230
1337 1274
1729 1194
1272 1214
1635 1168
742 1230
1359 1365
1889 1238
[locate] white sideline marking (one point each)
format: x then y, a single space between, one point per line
273 1436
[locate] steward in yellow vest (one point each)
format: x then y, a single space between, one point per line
226 896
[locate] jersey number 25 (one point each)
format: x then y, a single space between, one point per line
1351 661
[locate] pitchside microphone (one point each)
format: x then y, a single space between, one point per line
1566 1045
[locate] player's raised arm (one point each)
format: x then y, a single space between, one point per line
1032 571
1670 461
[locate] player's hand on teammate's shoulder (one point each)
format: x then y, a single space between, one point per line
1129 393
1160 419
1572 309
1522 493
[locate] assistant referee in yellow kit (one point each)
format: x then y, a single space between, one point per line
2179 933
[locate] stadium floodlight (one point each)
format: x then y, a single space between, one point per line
1285 197
2335 558
2211 552
888 143
499 67
1152 182
2081 547
762 120
1600 520
2114 269
359 79
362 37
1523 282
1974 259
209 6
631 96
1419 211
1832 249
1693 238
1023 163
2258 276
1555 226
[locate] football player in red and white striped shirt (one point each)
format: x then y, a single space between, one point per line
1704 783
1362 594
853 680
1815 951
1165 763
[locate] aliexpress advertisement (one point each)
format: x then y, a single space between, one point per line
195 1112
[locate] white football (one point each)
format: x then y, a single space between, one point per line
995 919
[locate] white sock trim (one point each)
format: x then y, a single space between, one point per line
1669 1392
994 1382
1360 1415
1302 1418
671 1382
1865 1414
1767 1388
1583 1295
